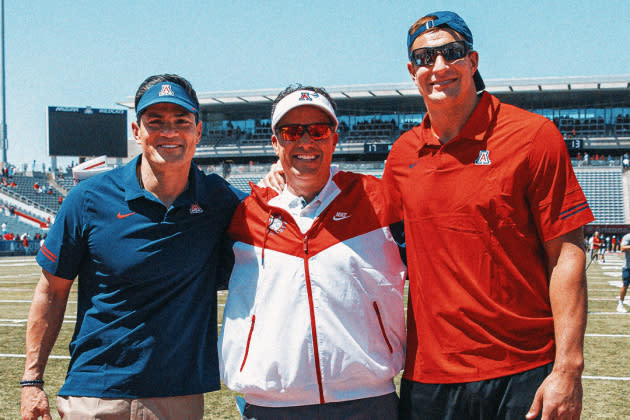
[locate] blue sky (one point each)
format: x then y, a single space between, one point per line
96 53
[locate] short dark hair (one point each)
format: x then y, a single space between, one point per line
298 86
159 78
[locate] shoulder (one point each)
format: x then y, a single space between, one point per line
374 189
407 140
102 186
532 133
215 189
520 118
212 181
345 180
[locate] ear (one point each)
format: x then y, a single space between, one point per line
335 139
474 58
135 130
198 130
412 71
276 146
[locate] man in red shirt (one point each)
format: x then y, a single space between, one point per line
497 314
596 248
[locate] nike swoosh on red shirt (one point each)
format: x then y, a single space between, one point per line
122 216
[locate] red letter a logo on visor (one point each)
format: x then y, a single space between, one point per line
166 91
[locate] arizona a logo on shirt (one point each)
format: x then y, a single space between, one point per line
195 209
483 158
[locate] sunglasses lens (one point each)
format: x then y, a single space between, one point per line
294 132
319 131
450 52
291 132
423 56
453 52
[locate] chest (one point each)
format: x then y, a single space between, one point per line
471 178
131 240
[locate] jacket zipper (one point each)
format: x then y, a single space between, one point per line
249 338
380 322
313 328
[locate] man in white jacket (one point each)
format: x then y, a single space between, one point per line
314 322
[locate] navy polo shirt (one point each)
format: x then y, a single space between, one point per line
147 311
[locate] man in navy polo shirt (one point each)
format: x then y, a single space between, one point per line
146 242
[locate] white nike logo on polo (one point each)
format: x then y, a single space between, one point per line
341 215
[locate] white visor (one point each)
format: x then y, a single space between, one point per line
301 98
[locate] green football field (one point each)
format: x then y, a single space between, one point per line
606 377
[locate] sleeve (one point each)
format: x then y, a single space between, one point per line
392 180
224 248
238 193
555 196
64 247
398 232
224 269
388 176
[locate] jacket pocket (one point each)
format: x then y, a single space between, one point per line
249 338
380 323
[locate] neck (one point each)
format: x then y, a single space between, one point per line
307 195
306 190
447 121
165 185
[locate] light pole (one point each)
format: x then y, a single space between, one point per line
4 140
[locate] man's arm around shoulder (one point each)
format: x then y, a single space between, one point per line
560 395
44 322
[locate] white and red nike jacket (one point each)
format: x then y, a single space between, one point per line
315 317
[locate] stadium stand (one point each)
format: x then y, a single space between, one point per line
17 222
18 227
622 125
581 127
604 191
241 182
66 182
261 135
373 131
36 190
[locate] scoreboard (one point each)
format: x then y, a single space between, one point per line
574 145
87 131
379 148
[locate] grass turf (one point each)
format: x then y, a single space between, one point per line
604 355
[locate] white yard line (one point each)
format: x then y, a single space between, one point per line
608 335
72 302
22 356
608 313
607 378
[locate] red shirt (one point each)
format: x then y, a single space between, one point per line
477 211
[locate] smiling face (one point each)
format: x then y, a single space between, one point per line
168 136
444 83
306 162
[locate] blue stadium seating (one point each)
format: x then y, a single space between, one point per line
603 188
25 192
241 182
18 227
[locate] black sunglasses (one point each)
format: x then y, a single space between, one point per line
452 51
294 132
